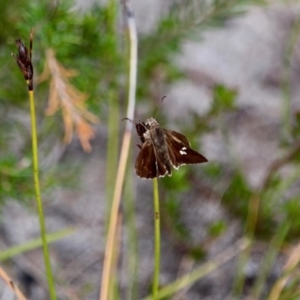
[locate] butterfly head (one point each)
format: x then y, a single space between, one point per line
151 122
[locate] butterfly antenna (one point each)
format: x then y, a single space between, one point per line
158 110
128 120
142 123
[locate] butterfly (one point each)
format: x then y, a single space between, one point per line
161 150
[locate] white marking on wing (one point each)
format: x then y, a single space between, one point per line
182 152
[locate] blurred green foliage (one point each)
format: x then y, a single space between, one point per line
237 196
224 100
217 228
15 179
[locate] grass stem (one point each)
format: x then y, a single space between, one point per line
109 249
188 279
39 203
157 238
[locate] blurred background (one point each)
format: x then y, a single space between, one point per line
230 71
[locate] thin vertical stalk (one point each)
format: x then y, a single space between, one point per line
157 239
288 273
109 250
111 169
24 61
113 287
113 112
191 277
112 147
39 200
270 258
131 260
253 209
286 82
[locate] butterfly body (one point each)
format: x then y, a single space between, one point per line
161 150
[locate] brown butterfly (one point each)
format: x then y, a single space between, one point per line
161 150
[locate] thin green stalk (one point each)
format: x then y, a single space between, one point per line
111 166
157 239
39 203
114 292
131 260
270 257
290 290
112 147
113 110
289 275
33 244
23 60
188 279
286 82
253 209
113 138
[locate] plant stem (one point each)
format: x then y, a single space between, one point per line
157 238
286 82
39 200
276 245
109 249
113 111
188 279
33 244
253 210
112 149
13 286
132 249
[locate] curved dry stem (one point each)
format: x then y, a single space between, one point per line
9 282
109 250
290 266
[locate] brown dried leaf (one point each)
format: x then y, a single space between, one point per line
85 133
65 97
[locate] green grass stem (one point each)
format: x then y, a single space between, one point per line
188 279
109 249
290 50
254 203
112 147
131 232
33 244
270 258
156 239
39 202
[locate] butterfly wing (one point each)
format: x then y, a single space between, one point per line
147 165
141 129
180 152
